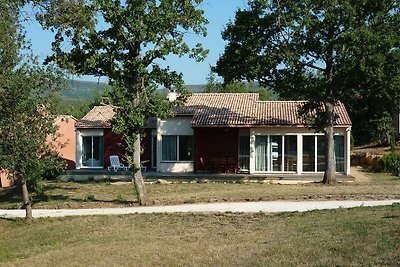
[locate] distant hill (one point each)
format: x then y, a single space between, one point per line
87 90
78 90
83 89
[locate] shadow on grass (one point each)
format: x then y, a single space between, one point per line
55 186
11 195
48 198
114 201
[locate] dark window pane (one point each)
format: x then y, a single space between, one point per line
92 154
290 153
339 152
185 148
308 153
169 147
276 152
320 153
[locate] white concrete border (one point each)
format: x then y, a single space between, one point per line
247 207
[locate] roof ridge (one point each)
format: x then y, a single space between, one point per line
281 101
236 93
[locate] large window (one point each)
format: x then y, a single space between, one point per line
92 151
261 153
177 148
276 153
320 153
314 153
308 153
290 154
339 152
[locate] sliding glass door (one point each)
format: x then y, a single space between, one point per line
92 151
244 153
314 153
276 153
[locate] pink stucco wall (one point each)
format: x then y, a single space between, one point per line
66 139
65 145
5 179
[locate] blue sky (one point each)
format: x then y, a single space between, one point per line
218 13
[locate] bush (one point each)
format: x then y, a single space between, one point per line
390 163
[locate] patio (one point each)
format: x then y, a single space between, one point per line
84 175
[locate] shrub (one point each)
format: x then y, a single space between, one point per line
89 198
390 163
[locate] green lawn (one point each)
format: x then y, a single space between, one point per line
355 237
106 194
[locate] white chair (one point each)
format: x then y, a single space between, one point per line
116 165
142 167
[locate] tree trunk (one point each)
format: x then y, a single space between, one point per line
330 164
137 176
27 202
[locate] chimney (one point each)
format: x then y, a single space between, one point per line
172 95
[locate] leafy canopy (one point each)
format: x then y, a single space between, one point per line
25 121
127 41
321 51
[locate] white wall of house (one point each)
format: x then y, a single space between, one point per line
299 132
177 126
79 143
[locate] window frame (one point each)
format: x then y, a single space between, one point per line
177 148
315 136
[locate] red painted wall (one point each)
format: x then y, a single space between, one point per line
215 143
113 145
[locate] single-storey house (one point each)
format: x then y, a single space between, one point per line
220 132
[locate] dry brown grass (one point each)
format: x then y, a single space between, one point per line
355 237
105 194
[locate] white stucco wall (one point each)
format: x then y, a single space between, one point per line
180 125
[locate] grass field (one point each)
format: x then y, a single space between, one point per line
106 194
355 237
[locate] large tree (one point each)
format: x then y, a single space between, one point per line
25 122
128 42
318 50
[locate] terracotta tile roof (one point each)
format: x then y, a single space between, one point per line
98 117
244 109
223 109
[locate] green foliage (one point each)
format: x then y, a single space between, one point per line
125 41
89 198
319 51
25 120
323 52
75 107
390 163
25 124
132 117
87 90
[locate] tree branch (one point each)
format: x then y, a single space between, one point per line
312 66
